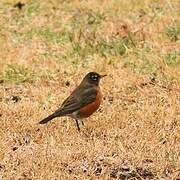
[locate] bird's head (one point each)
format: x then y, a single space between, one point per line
93 78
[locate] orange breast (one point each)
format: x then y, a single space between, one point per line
92 107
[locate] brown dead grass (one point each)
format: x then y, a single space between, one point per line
137 127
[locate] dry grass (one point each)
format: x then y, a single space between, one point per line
47 45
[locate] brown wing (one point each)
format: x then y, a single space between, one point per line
77 100
80 98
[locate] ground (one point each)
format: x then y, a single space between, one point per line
46 49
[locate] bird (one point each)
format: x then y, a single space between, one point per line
82 102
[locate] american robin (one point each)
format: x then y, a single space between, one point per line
82 102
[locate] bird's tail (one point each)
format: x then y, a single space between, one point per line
49 118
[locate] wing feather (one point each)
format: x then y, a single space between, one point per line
75 102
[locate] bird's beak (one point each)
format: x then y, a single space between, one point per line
103 75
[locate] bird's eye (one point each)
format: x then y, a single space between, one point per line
94 77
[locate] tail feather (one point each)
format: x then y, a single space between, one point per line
49 118
45 120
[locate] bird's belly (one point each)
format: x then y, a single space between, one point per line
74 115
89 109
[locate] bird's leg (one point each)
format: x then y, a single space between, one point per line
82 123
77 125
